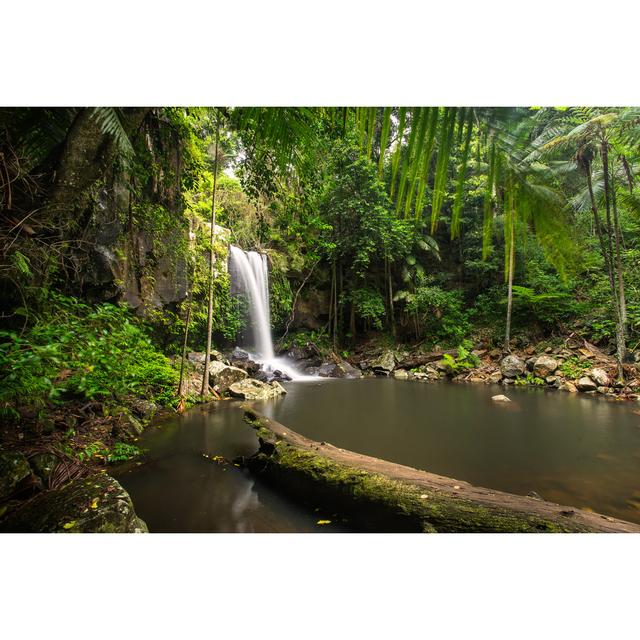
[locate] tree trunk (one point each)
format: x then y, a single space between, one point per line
205 376
507 333
376 495
608 262
617 291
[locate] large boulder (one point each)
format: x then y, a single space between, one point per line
92 504
600 377
384 363
512 366
544 366
13 469
586 384
224 376
251 389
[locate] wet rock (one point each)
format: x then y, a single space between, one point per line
512 366
600 377
251 389
544 366
585 384
239 354
14 468
420 375
302 353
385 363
495 377
401 374
568 386
311 371
327 370
223 376
92 504
500 398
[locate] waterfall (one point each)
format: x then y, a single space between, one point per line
250 277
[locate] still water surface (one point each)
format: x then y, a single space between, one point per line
571 449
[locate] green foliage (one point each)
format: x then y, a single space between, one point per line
120 452
464 359
74 349
529 379
573 368
369 305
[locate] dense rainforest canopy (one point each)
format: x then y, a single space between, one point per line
418 225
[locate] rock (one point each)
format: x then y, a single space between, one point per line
586 384
495 377
92 504
302 353
544 366
247 365
385 363
508 381
419 375
250 389
327 370
143 409
43 464
401 374
530 350
568 386
600 377
512 366
311 371
552 381
239 354
13 469
530 363
500 398
223 376
602 390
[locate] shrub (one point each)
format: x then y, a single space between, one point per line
74 349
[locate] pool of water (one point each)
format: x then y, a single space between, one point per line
181 489
572 449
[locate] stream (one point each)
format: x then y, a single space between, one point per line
568 448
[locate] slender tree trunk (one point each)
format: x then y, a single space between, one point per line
184 345
391 308
617 291
334 288
205 376
507 333
618 232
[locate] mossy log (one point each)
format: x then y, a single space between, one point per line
376 495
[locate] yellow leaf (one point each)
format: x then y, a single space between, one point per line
69 525
324 522
94 503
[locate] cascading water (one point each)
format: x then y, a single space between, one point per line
249 272
250 277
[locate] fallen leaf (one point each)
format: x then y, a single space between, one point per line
69 525
323 522
94 503
424 496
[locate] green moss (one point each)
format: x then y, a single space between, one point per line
377 502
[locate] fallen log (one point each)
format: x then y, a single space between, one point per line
420 359
377 495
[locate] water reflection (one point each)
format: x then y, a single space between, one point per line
181 490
